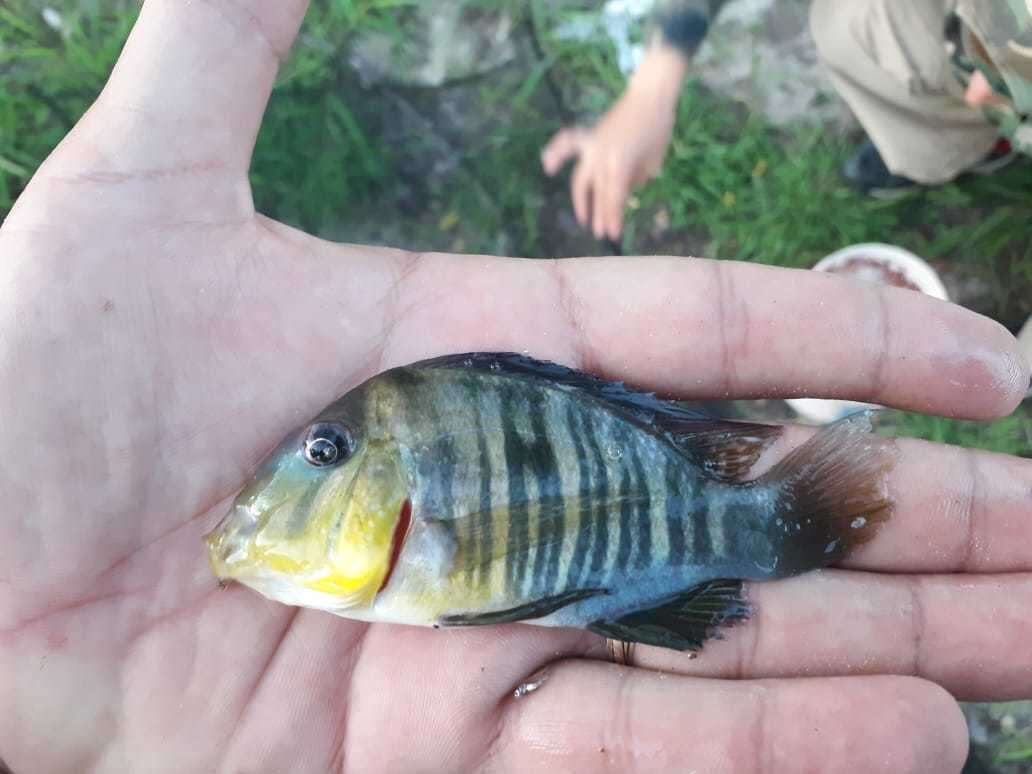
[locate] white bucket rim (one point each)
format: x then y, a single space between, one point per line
913 267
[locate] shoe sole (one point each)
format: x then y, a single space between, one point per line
889 194
994 166
982 170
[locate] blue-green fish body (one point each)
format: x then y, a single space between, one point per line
491 488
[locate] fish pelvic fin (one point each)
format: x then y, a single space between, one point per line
831 495
539 608
683 621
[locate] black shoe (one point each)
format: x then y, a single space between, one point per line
866 173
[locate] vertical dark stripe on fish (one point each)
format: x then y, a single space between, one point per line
479 564
600 504
442 466
446 465
644 510
517 537
694 515
559 528
579 557
551 513
675 514
626 525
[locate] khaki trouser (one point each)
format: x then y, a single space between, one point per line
888 61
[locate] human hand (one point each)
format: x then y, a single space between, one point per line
159 337
625 148
980 92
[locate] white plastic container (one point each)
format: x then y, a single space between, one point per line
878 263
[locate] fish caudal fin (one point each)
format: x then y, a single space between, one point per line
831 495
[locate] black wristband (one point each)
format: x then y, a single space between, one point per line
684 30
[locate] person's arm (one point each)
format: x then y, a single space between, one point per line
627 146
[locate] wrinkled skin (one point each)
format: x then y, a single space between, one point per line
158 337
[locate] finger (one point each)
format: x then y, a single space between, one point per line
598 208
445 680
603 718
969 635
564 145
617 191
979 92
581 190
698 328
192 83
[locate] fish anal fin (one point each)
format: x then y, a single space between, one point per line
684 621
537 609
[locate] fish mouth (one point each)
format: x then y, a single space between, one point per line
228 542
220 555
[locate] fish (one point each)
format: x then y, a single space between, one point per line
489 488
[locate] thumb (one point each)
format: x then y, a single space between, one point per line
192 82
566 144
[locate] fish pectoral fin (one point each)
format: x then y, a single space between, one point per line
725 449
681 622
537 609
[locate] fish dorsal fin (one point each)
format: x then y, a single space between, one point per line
615 393
724 449
681 622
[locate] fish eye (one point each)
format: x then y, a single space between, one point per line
326 444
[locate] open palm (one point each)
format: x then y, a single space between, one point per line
158 337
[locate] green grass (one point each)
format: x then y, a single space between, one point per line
48 77
757 195
1016 741
748 191
313 155
1009 435
762 195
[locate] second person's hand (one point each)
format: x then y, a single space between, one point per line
625 148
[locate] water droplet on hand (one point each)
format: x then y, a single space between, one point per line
530 685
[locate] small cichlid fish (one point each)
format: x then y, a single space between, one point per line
486 488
